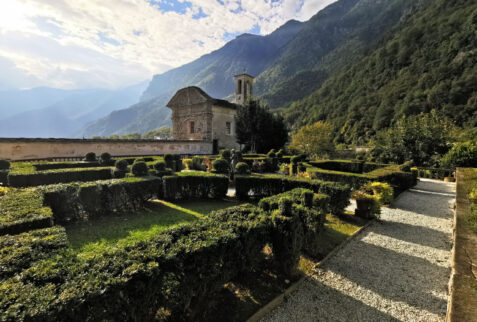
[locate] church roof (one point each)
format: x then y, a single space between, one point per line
194 95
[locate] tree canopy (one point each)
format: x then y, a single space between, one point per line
314 139
259 129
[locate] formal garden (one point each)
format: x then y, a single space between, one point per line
175 238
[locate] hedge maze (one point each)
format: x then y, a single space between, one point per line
167 275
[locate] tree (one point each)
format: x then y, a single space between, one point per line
260 129
162 132
422 138
314 139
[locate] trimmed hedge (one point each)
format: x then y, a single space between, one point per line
347 166
58 176
301 196
71 202
391 174
188 185
4 177
65 165
4 164
19 252
23 210
265 186
165 277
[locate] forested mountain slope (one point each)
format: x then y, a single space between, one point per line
429 62
340 33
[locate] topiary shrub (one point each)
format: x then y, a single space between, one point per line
220 166
225 154
169 160
242 168
139 160
4 165
139 169
160 166
118 174
105 158
122 165
382 191
189 164
90 157
295 159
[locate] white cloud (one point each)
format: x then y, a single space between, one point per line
111 43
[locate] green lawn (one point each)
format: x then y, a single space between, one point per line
102 234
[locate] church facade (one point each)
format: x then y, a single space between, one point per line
197 116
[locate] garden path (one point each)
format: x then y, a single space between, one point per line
395 270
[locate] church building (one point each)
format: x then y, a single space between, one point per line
197 116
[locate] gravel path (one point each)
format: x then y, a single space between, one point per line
396 270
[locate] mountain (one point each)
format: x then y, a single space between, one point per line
428 62
212 72
46 112
290 63
329 40
17 101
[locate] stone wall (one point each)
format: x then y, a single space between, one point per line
221 116
32 149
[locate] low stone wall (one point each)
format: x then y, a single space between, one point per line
35 149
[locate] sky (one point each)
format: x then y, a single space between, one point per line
74 44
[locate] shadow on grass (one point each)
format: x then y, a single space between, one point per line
129 227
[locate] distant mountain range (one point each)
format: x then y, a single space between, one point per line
49 112
289 63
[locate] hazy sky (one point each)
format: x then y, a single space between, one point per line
113 43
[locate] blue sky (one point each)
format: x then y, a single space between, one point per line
114 43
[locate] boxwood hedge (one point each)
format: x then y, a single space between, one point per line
186 185
22 210
391 174
18 179
259 186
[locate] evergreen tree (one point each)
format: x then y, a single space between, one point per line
258 128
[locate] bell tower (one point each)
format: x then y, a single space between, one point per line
243 88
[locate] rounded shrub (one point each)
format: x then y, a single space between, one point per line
139 169
169 159
189 164
220 166
122 165
160 166
382 191
461 155
4 165
118 174
139 160
242 168
105 158
225 154
90 157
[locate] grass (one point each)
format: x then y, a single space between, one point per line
336 230
102 234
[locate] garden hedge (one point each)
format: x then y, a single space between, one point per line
165 277
65 165
186 185
268 185
347 166
4 177
57 176
391 174
19 252
76 201
23 210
